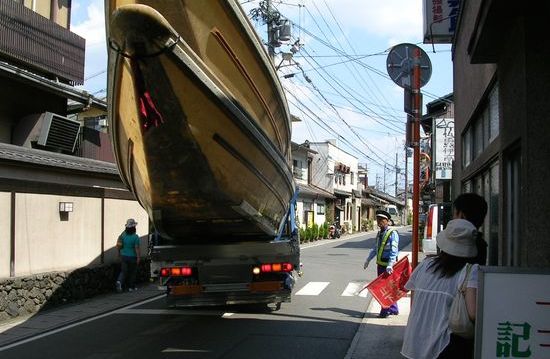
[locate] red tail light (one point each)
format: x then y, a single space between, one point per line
276 267
176 272
287 267
165 272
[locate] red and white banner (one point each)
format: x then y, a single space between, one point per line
389 288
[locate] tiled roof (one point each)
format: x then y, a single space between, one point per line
51 159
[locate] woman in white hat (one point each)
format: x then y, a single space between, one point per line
435 283
128 251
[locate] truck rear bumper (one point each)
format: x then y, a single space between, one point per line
226 298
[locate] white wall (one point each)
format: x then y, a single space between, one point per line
5 216
322 166
44 242
301 158
116 214
318 219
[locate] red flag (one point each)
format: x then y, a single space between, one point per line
388 288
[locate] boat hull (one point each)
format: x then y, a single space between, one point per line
199 122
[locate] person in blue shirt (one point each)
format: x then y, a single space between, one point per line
385 250
129 254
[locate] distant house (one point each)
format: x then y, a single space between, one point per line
335 171
312 200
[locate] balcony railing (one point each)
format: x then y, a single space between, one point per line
36 43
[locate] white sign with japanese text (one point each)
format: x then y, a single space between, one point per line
444 147
513 315
440 18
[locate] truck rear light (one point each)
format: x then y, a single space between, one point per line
176 272
277 267
165 272
273 267
287 267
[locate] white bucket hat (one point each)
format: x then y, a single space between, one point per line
131 223
458 239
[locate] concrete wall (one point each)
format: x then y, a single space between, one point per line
46 241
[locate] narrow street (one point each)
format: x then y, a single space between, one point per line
320 322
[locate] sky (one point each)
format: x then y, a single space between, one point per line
337 83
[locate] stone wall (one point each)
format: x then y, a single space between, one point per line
21 296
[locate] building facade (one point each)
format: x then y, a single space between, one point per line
312 202
58 210
335 171
501 85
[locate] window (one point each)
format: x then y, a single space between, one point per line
486 184
513 216
483 129
478 137
320 208
493 114
308 206
467 147
351 180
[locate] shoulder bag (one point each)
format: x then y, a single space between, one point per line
459 321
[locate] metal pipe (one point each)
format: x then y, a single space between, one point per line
416 161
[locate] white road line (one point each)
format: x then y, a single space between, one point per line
312 288
352 288
54 331
363 292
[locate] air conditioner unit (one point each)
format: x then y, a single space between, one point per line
59 132
48 130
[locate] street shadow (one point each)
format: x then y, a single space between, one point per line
348 312
40 293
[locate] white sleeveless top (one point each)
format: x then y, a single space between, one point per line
427 332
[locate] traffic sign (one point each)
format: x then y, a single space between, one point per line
400 65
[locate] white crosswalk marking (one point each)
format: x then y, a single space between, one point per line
351 289
312 288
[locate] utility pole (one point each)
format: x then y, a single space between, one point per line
396 173
411 73
384 186
417 110
270 32
406 184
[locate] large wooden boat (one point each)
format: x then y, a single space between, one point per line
199 120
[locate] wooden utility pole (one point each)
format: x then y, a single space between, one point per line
270 32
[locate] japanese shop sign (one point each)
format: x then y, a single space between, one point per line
513 317
444 147
440 17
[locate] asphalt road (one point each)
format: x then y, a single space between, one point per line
320 322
